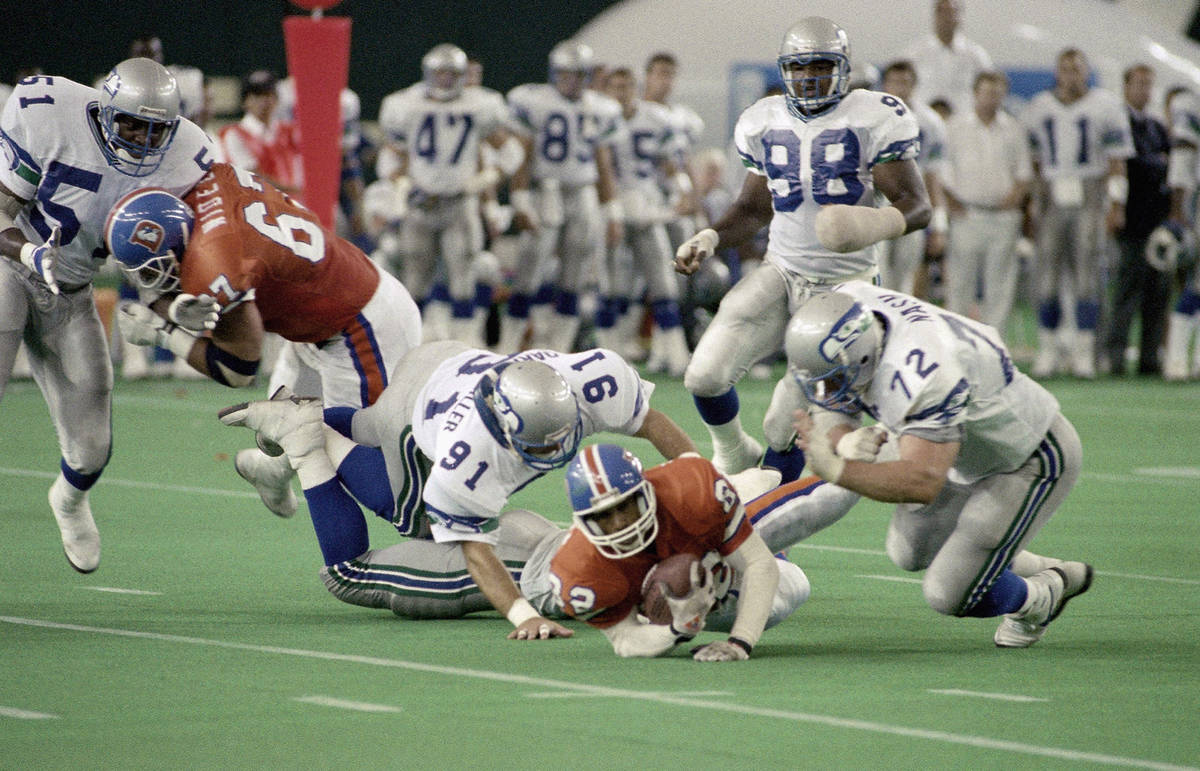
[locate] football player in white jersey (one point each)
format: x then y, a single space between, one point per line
901 265
661 71
561 195
817 157
458 431
71 152
1080 138
644 148
984 458
436 128
1179 232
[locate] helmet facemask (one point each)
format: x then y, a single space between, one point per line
613 504
147 232
138 116
809 95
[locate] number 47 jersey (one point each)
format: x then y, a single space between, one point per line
827 160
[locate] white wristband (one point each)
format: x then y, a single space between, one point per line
1118 188
939 222
520 612
522 201
177 340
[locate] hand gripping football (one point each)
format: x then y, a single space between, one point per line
672 576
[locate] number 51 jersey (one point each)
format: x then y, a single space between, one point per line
827 160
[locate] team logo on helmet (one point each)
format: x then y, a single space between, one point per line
148 234
848 328
112 84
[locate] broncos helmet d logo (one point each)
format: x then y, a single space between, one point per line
149 235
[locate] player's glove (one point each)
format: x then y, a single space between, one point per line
1164 246
194 313
720 650
862 443
688 612
693 251
141 326
42 259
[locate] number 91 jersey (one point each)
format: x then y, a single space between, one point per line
827 160
473 474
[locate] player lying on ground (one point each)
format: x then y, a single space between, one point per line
458 432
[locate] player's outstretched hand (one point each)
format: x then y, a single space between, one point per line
139 325
720 650
539 628
43 259
693 251
197 313
822 458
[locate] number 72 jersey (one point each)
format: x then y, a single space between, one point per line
827 160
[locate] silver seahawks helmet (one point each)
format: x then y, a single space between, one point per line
138 92
528 406
574 58
445 71
809 40
833 345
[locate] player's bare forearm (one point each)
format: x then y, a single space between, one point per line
11 237
665 434
750 213
490 575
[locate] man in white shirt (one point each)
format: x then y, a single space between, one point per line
947 61
987 177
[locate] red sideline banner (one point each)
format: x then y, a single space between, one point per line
318 59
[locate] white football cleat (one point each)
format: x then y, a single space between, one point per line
80 538
271 477
293 423
1049 592
732 459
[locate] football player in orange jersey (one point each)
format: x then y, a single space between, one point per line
237 258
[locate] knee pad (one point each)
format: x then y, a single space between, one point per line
794 590
706 376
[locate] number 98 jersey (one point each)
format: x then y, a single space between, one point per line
827 160
473 474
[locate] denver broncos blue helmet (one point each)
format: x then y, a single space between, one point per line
146 233
601 477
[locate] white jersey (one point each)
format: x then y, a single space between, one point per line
474 474
945 377
639 147
1076 140
51 142
565 132
689 126
442 137
827 160
931 132
1185 130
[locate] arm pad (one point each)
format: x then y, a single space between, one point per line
760 580
227 369
631 639
842 228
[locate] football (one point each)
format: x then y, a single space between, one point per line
674 575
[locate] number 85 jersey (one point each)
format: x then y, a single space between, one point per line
827 160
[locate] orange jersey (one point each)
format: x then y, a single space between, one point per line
252 242
698 511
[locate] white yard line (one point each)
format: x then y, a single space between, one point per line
897 579
136 483
543 684
115 590
578 695
983 695
24 714
357 706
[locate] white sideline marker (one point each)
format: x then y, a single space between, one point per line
983 695
578 695
897 579
357 706
116 590
24 714
925 734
